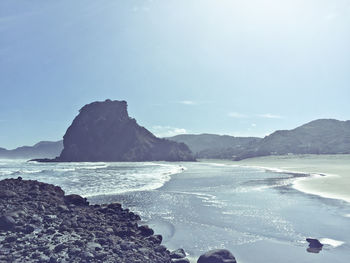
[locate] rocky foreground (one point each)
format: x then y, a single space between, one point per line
39 223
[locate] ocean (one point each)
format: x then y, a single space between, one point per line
254 213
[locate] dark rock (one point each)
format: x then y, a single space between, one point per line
53 259
28 229
160 248
63 208
7 222
314 243
59 247
179 253
146 231
217 256
114 206
156 239
94 246
75 200
180 260
315 246
7 193
10 239
103 131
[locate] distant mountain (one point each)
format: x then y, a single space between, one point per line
44 149
212 146
103 131
323 136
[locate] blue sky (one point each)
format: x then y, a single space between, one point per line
239 67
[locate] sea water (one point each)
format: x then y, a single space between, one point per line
254 213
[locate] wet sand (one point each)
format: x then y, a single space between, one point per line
330 174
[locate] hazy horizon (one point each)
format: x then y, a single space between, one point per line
242 68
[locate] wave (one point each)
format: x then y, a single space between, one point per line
135 179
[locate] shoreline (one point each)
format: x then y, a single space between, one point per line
38 222
324 175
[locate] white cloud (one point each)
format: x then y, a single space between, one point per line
270 116
237 115
187 102
167 131
253 125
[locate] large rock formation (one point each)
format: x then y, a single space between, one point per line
103 131
213 146
324 136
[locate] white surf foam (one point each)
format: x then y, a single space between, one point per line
332 242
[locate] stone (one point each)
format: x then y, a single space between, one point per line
63 208
160 248
7 223
156 239
10 239
179 253
28 229
92 246
7 193
76 200
180 260
59 247
314 243
217 256
146 231
315 246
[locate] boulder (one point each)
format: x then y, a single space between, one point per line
217 256
75 200
314 243
315 246
179 253
180 260
146 231
7 194
7 223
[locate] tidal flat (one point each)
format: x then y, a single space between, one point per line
329 174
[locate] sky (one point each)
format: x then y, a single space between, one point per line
237 67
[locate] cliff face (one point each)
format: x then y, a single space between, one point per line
103 131
324 136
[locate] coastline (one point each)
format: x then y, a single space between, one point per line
328 175
39 223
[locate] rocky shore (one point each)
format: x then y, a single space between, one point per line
39 223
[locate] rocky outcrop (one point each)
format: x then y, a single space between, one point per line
43 149
324 136
39 223
217 256
315 246
103 131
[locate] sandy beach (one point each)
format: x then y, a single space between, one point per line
330 174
